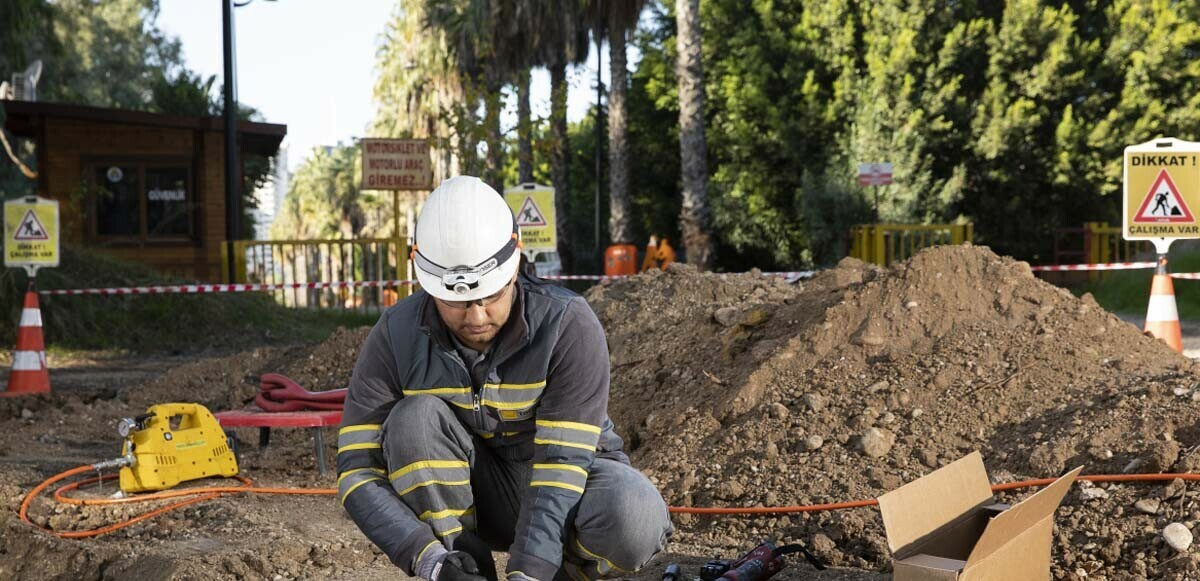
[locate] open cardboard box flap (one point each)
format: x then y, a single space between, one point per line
933 501
920 509
1016 520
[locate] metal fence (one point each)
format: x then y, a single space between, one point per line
1095 243
884 244
310 261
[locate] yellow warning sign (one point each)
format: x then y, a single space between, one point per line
533 207
31 235
1162 190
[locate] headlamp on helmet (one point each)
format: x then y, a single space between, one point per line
463 279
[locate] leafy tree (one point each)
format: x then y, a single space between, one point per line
109 54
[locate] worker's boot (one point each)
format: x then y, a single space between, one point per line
472 545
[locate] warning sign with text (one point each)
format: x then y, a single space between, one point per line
396 164
31 233
533 207
1162 190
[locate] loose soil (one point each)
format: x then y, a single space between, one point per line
731 390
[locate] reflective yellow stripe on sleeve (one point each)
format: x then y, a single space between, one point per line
359 428
562 443
557 485
570 426
428 464
569 467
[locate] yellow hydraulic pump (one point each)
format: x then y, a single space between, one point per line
173 443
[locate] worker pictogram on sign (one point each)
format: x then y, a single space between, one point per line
30 228
530 215
1163 204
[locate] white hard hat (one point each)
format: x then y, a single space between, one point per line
467 244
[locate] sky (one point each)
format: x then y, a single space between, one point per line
310 64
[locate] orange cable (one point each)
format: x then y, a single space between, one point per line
208 493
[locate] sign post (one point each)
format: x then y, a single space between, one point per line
533 206
1161 186
875 174
31 234
1161 203
396 164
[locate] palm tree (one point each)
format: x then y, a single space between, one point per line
693 151
616 19
521 37
471 28
418 90
564 42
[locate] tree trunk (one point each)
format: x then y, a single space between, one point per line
560 158
693 151
495 144
524 130
618 147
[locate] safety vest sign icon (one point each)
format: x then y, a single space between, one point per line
530 215
1163 204
30 228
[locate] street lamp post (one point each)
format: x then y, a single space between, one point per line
232 169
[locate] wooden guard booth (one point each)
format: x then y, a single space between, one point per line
143 187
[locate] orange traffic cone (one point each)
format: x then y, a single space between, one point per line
29 373
1162 317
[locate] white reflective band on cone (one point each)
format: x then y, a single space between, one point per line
31 318
1162 308
28 361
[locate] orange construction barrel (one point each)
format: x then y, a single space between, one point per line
620 260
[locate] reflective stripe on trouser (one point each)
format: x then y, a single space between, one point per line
620 523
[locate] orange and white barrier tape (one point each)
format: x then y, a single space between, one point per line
241 288
225 288
1102 266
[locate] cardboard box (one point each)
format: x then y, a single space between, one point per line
946 526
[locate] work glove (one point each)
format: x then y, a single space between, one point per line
457 566
474 546
519 576
438 564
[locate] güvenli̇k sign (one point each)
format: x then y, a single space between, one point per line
1161 184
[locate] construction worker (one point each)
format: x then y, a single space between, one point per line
666 254
477 419
651 259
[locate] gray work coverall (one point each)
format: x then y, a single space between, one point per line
515 445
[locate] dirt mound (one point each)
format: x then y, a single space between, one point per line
742 390
731 390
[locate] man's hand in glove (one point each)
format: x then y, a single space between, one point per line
457 566
446 565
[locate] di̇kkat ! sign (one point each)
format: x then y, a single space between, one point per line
1162 191
396 164
533 207
31 237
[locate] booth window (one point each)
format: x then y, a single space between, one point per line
143 201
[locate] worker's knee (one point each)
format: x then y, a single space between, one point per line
622 517
417 423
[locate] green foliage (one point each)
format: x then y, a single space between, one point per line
1011 114
109 54
152 323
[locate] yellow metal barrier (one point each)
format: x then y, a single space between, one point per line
1103 244
309 261
884 244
